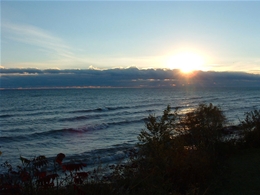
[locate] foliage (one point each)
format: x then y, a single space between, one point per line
204 125
176 154
178 150
251 127
33 176
167 157
157 136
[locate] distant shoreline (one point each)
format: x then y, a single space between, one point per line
114 87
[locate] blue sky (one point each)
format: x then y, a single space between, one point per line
105 35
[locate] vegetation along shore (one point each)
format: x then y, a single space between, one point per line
176 154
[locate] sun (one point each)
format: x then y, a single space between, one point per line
186 62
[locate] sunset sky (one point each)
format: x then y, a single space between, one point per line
205 35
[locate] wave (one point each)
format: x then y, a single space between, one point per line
104 114
142 114
107 108
109 155
40 135
58 132
117 107
87 110
127 121
76 118
6 115
86 128
100 109
195 98
24 114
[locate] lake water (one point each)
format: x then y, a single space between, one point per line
98 125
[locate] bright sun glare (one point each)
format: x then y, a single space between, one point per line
186 62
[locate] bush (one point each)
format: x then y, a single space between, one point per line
178 150
157 137
204 125
35 177
251 127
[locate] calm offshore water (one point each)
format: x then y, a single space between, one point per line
98 125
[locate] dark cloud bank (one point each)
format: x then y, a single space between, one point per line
130 77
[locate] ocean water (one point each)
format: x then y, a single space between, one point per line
98 125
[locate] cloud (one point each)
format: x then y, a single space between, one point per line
60 54
19 71
58 51
38 37
35 36
246 65
120 77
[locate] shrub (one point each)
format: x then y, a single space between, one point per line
157 137
204 125
178 150
34 176
251 127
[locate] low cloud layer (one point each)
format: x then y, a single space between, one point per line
129 77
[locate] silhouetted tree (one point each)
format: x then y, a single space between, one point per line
204 125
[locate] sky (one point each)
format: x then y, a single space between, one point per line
204 35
